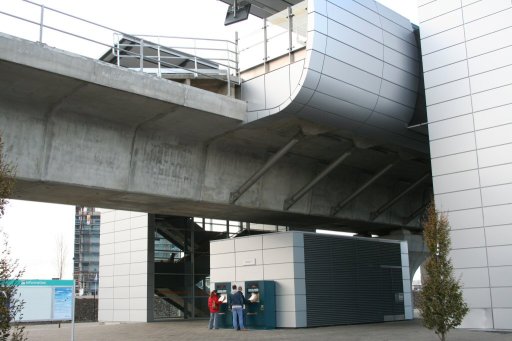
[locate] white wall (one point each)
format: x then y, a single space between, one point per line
276 256
124 276
467 60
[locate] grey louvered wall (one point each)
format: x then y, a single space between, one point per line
350 280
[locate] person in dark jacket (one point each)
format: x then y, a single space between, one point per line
237 305
214 306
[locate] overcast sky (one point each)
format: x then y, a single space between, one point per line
33 228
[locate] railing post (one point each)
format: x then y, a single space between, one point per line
237 56
159 64
265 52
141 64
290 34
41 25
195 58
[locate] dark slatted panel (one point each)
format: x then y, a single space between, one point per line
351 281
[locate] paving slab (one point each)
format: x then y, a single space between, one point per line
198 330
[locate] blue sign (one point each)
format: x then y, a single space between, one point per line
63 303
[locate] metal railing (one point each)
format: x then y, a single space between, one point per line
36 22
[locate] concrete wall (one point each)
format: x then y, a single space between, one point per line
278 257
126 275
467 60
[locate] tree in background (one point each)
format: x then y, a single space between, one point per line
10 272
61 255
441 303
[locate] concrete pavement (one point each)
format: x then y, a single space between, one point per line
197 330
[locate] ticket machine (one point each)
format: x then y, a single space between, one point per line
225 319
261 311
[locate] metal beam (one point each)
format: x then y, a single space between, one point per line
390 203
289 202
337 208
414 214
272 161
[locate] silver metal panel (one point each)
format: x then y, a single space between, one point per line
450 127
466 219
502 297
362 9
491 42
447 91
329 119
486 25
339 107
296 73
484 8
400 111
354 57
392 15
446 74
473 278
456 182
495 156
355 39
493 117
459 200
448 109
452 145
501 276
499 235
436 8
490 61
360 78
500 256
441 23
454 163
401 45
491 79
492 98
346 92
253 94
496 175
442 40
469 258
498 215
397 93
466 238
400 77
494 136
401 61
277 86
316 60
341 17
318 41
349 77
497 195
444 57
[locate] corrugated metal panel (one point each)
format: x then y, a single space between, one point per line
351 280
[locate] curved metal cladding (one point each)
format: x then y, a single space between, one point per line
360 75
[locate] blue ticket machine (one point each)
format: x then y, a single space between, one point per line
225 319
261 311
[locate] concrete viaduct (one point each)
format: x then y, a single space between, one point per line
81 131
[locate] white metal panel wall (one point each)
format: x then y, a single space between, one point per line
276 256
123 276
361 74
467 52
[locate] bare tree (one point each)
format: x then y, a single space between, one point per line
61 255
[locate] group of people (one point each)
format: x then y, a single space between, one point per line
236 302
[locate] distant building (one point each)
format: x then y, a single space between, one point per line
87 250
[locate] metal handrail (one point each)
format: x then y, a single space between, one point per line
227 64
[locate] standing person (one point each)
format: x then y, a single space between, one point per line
244 311
214 306
237 305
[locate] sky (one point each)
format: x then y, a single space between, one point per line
32 227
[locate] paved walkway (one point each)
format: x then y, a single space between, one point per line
197 330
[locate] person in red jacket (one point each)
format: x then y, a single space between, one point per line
214 306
